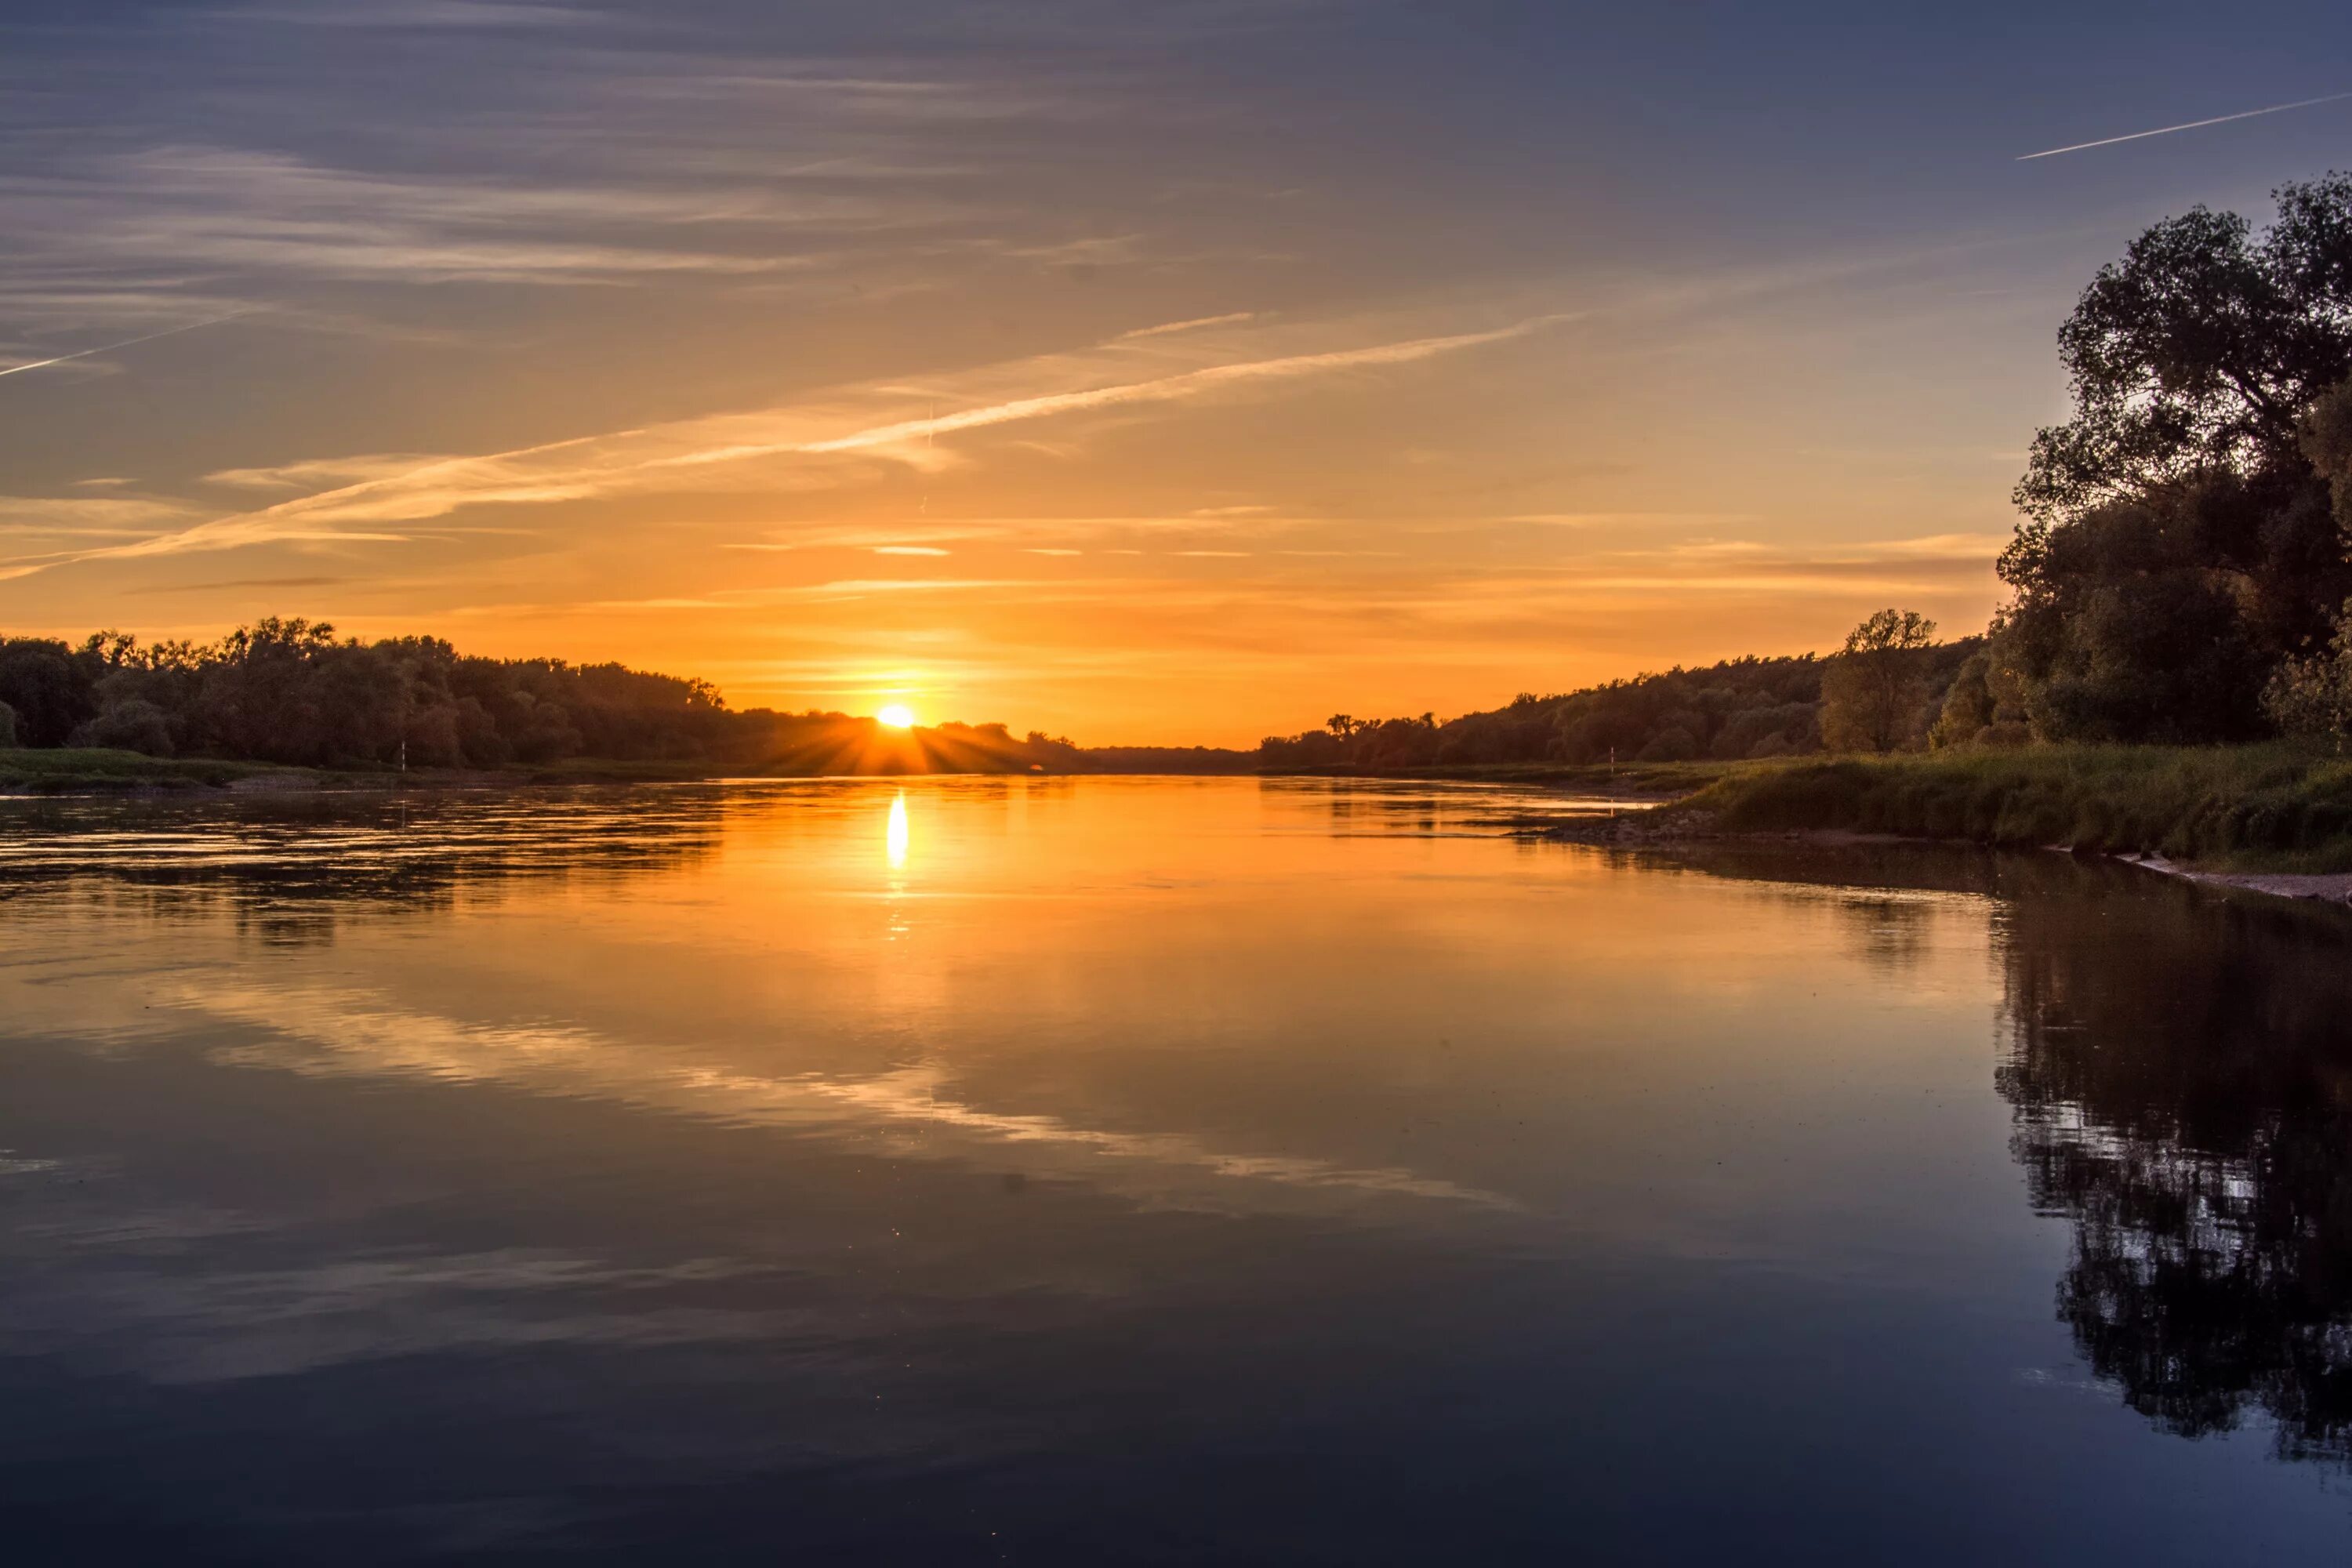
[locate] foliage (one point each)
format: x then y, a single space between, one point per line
2131 625
1743 707
1874 692
1985 705
2313 697
2199 352
2179 542
7 726
2268 807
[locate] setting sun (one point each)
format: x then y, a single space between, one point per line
897 715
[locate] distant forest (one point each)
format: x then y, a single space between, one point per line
1739 709
292 692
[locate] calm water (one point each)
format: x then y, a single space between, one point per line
1148 1171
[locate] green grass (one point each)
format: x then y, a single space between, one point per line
82 769
1597 778
2273 807
75 770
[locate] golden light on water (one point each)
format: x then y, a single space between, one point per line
895 835
897 715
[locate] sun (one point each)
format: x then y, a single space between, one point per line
897 715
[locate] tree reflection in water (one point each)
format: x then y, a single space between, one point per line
2181 1069
2179 1062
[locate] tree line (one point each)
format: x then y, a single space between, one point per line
292 692
2182 574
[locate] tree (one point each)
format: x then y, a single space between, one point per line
2178 541
134 725
1873 692
1985 703
49 689
2201 352
2313 697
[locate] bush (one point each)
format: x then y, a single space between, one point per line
130 726
2313 697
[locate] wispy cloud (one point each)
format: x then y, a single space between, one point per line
381 13
232 584
2188 125
88 516
1233 319
721 451
324 470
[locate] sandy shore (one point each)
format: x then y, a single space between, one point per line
2333 888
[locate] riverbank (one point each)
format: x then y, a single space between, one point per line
89 770
2272 820
95 771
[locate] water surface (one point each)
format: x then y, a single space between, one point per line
1115 1170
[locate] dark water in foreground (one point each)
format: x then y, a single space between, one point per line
1148 1171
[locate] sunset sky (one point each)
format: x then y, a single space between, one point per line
1146 373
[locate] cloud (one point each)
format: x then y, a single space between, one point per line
2189 125
1609 518
87 515
1165 328
734 450
908 550
324 470
1181 387
420 14
235 583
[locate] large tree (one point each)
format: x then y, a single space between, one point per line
1874 692
2201 352
2178 542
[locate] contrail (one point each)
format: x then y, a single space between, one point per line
109 348
2193 125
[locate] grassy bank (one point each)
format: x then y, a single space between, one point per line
2252 808
78 770
84 770
1591 778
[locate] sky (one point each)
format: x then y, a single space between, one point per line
1182 373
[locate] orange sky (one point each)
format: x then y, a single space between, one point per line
1111 378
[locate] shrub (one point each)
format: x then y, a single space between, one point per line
130 726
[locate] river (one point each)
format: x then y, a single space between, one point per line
1110 1171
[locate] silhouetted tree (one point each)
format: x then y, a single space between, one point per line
50 690
1873 692
2180 542
1747 707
